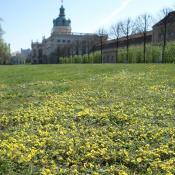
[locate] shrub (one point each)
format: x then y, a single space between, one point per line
170 53
153 55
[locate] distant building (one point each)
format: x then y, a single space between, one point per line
20 57
62 42
16 58
25 52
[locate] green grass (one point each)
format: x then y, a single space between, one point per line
87 119
23 84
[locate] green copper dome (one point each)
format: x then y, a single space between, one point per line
62 11
61 20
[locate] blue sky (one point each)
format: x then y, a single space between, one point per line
27 20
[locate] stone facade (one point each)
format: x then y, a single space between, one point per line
159 29
109 55
109 47
156 36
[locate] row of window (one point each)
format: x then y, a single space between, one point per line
109 59
63 41
169 34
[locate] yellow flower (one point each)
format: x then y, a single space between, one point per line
46 171
121 172
95 173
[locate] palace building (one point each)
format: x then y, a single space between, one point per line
155 36
62 42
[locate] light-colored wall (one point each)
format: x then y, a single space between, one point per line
58 30
109 56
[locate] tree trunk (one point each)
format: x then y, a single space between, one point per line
101 45
164 43
144 49
117 45
127 49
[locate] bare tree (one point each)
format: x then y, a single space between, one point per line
143 24
77 47
115 32
103 36
88 43
165 13
94 45
127 28
72 51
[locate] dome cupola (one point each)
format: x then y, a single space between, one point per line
61 20
61 25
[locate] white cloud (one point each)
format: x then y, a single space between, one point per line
108 19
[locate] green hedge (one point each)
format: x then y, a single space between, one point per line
82 59
170 53
153 55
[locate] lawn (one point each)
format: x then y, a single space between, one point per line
87 119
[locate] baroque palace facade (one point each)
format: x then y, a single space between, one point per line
155 36
62 42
